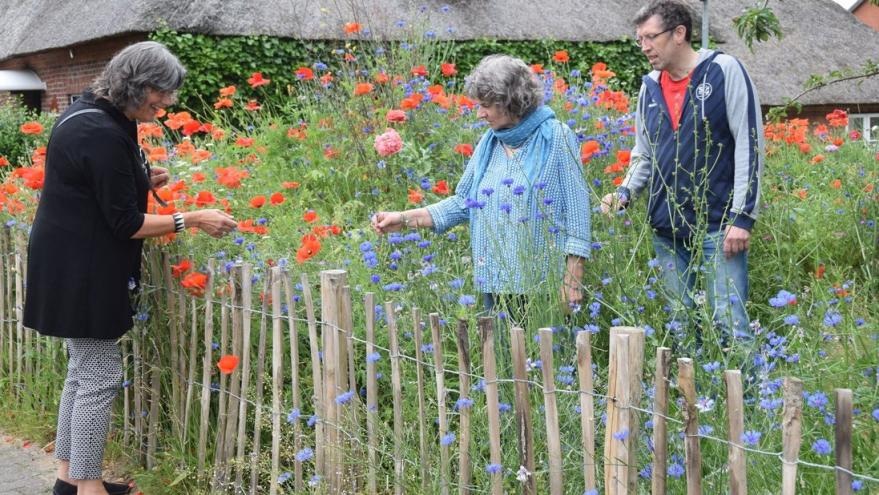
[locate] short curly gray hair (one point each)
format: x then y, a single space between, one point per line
507 81
136 68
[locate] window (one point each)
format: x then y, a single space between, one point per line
867 124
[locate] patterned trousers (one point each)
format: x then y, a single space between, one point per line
94 374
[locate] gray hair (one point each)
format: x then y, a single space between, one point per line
505 80
141 66
672 13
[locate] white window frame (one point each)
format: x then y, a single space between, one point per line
869 133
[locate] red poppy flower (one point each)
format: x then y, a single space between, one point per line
448 69
537 68
228 91
290 185
836 184
227 364
4 162
419 70
310 246
223 103
441 188
194 283
310 216
381 78
396 116
244 142
205 198
304 74
179 269
252 106
256 80
257 201
277 198
465 149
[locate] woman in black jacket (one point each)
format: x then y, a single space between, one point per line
86 242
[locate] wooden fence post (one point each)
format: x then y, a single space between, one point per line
422 408
735 410
660 426
587 408
791 428
294 376
246 324
335 377
843 445
692 452
316 375
397 390
237 349
222 414
489 364
436 336
553 442
465 469
371 394
207 367
635 371
277 379
524 428
174 319
617 433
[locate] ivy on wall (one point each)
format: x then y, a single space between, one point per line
216 61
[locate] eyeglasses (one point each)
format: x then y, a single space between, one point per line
640 40
167 100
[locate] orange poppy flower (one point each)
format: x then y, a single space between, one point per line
837 118
326 79
257 201
304 74
588 149
227 364
3 161
194 283
352 27
158 154
277 198
415 196
290 185
411 102
201 155
310 216
228 91
256 80
223 103
185 148
31 128
819 271
310 246
363 88
448 69
381 78
561 57
537 68
836 184
244 142
802 193
817 159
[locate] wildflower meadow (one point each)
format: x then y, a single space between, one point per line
383 126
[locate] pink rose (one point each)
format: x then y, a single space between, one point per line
388 143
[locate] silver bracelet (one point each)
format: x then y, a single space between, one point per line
179 224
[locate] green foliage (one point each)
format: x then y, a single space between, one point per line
757 24
216 61
14 145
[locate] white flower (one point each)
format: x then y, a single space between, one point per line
704 404
522 474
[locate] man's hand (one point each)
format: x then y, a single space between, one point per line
735 240
612 203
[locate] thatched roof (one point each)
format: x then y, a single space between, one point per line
820 36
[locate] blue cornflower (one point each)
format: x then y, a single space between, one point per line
493 468
711 367
344 397
782 299
817 400
284 477
487 191
365 246
463 403
373 357
751 437
822 447
621 435
675 470
504 407
294 416
312 420
304 455
447 439
832 318
467 300
876 414
507 182
394 287
456 283
792 320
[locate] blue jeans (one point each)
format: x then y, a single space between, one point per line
725 282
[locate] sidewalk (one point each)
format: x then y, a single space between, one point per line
24 470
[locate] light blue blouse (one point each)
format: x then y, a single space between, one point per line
521 233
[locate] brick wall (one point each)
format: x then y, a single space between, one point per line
67 71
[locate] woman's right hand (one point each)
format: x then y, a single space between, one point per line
215 223
387 221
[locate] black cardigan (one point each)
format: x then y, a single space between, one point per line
81 258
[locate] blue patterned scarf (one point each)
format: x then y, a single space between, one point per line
535 154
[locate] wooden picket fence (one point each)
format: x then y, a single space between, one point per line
223 424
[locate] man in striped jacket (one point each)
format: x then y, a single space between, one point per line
699 156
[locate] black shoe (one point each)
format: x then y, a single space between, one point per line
65 488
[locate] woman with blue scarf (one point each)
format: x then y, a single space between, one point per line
523 192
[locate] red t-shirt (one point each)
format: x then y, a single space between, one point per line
674 93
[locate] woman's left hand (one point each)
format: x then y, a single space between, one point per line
572 293
158 177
